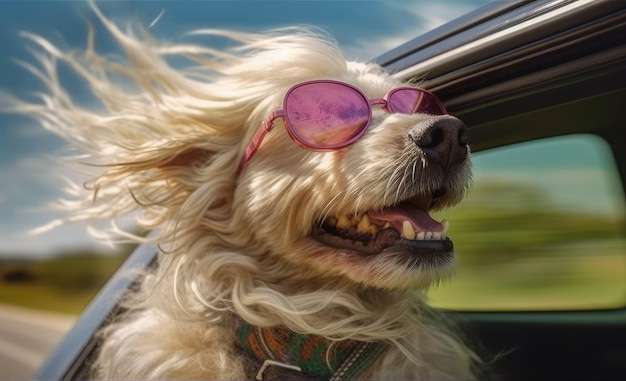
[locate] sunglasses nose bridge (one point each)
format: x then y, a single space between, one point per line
379 101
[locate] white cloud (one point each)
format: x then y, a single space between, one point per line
27 188
428 15
18 241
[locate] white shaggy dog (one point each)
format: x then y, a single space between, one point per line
313 255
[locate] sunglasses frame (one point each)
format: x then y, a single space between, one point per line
268 122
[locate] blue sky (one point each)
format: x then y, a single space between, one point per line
30 178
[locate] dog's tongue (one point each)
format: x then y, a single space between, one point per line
419 218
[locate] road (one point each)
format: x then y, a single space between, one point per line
26 338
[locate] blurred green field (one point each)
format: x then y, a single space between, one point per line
44 297
65 283
522 250
579 283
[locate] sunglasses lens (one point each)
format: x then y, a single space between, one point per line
413 101
326 115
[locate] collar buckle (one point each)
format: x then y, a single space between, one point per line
268 363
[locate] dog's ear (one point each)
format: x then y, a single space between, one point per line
188 157
164 158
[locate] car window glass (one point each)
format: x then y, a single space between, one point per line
543 229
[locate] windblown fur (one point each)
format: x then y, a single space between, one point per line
165 142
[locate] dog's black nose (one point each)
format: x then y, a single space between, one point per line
444 140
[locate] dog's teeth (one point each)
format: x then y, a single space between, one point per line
364 225
407 230
344 222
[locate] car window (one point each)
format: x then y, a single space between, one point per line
543 229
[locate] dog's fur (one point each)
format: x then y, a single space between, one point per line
167 140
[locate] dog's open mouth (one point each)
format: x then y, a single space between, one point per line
408 224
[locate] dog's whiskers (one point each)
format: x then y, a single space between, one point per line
402 181
395 180
414 170
327 208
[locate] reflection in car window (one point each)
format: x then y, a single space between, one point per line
543 229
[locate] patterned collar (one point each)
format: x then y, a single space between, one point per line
279 353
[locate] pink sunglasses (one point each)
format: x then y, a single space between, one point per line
326 115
